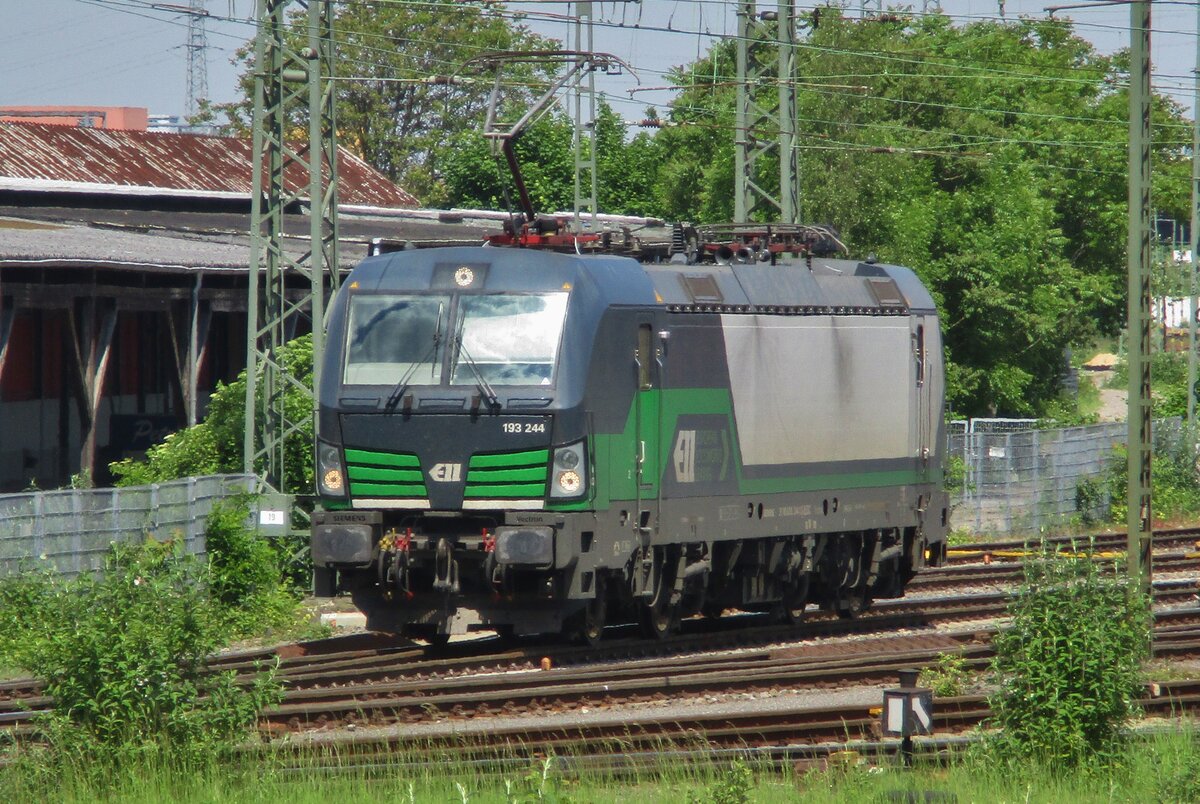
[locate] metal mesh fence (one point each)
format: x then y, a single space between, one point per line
1031 480
1013 481
70 531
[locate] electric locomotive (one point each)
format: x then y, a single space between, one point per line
528 441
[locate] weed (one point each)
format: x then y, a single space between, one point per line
733 786
948 677
961 536
542 783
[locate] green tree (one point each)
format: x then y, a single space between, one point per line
474 176
395 107
990 157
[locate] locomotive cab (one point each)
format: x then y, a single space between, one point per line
451 431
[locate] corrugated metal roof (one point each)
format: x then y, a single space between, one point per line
64 158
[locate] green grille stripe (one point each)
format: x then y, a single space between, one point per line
386 475
382 459
537 457
524 490
389 490
535 473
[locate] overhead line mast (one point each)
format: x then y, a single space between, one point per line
197 57
585 124
288 80
759 130
1139 516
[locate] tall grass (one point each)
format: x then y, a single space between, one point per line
1161 766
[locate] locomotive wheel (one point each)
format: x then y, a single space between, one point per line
659 617
427 634
659 621
795 600
851 603
587 627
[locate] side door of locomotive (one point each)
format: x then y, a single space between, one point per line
923 386
648 415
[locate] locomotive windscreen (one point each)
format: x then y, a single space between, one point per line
388 336
505 339
512 339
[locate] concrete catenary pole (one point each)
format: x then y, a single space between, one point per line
1194 245
1139 515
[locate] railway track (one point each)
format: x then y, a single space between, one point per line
1010 571
376 656
780 731
347 698
1016 549
759 672
371 678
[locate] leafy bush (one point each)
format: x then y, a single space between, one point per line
1069 667
955 475
246 572
1173 473
1168 373
122 655
1067 410
24 599
1091 498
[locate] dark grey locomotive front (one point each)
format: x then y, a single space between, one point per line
451 445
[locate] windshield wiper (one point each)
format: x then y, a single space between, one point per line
397 392
480 382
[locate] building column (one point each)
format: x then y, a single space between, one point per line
92 322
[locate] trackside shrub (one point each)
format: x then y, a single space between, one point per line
122 655
1176 480
24 599
246 571
1069 667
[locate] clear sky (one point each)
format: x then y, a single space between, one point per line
132 52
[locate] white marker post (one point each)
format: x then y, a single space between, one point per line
907 711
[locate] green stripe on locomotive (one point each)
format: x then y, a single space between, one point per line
616 453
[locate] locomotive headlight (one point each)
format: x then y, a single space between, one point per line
569 482
331 476
569 471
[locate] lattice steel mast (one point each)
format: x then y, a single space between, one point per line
197 57
288 81
759 130
585 124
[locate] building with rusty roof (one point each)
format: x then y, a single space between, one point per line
123 269
50 158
